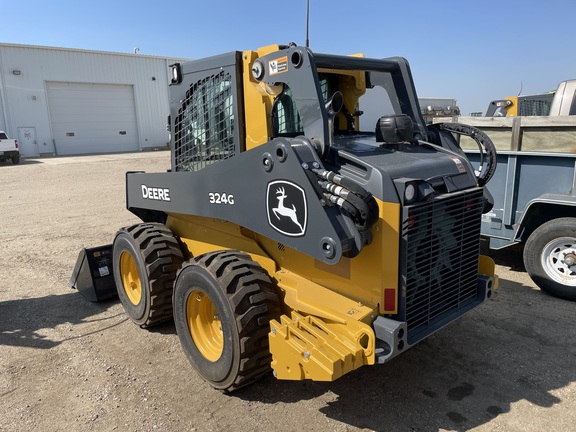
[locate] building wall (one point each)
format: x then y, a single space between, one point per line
24 97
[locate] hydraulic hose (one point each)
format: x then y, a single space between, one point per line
365 211
488 158
343 181
355 201
341 202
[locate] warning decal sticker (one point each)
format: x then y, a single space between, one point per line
459 164
278 65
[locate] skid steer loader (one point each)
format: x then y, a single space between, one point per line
310 223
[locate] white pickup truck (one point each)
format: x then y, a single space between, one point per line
9 149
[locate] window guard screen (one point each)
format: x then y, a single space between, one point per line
205 124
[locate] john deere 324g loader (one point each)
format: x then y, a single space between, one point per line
310 223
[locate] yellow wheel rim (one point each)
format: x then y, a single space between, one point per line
204 325
130 278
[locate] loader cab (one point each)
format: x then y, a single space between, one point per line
290 87
534 105
231 103
367 95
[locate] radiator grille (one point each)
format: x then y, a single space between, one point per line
205 124
441 241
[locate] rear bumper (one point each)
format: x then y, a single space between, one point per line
5 154
309 347
392 336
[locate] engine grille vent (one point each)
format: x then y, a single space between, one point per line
441 242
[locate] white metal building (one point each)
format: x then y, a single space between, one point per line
59 101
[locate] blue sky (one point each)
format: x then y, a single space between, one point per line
473 51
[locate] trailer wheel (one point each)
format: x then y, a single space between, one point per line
550 257
146 258
16 159
223 302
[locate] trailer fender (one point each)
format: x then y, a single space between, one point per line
542 209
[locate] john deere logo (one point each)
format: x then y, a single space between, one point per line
286 208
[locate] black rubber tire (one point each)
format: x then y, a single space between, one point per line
542 257
243 298
157 257
16 159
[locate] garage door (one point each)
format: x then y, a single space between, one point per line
92 118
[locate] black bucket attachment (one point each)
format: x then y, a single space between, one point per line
93 276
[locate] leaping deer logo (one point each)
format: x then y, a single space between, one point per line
282 210
286 208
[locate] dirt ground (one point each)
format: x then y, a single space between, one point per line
71 365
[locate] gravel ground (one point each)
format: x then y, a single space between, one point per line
71 365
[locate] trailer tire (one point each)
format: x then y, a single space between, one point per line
223 303
550 257
146 258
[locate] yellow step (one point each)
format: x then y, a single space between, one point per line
306 347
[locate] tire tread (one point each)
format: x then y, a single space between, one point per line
254 302
162 259
554 228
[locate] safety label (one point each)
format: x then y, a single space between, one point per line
278 65
459 164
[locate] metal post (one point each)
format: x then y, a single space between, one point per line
307 22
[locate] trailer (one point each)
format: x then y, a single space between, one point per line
533 190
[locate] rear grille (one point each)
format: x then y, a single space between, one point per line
440 250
